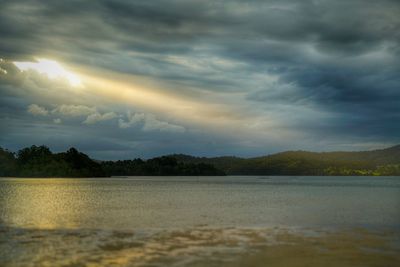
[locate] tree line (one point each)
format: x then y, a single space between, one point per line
382 162
39 161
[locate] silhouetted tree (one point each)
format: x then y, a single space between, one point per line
8 163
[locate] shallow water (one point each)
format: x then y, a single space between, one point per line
200 221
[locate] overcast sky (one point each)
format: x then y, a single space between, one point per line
122 79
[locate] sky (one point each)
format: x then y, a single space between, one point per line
124 79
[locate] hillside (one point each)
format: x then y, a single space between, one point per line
160 166
39 161
376 162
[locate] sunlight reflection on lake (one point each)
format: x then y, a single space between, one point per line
208 221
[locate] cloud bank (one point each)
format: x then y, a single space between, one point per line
265 75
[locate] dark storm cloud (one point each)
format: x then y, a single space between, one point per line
299 62
343 26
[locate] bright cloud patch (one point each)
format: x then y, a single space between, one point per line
96 117
150 123
74 110
91 113
2 71
132 120
37 110
52 69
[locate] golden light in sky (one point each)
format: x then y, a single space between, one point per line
52 69
125 90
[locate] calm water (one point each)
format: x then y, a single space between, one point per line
158 221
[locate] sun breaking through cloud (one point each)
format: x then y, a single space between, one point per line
52 69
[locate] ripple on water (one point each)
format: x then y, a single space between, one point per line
200 246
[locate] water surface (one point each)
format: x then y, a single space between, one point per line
179 221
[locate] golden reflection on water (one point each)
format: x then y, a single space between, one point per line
59 222
45 203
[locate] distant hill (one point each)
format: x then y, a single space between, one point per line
376 162
39 161
160 166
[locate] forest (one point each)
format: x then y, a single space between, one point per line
39 161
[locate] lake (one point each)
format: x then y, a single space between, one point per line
200 221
